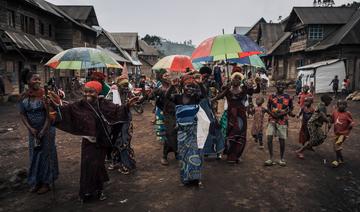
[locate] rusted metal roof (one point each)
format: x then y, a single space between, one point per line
32 43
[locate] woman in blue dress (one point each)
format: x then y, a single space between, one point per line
43 170
189 153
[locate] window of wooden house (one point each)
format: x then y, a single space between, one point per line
27 24
24 23
11 18
31 26
41 28
50 30
316 32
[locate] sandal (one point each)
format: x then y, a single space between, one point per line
300 155
34 189
44 189
269 162
282 162
164 162
335 164
101 196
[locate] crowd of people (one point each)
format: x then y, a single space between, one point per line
186 123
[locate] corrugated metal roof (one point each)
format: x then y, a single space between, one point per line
127 40
32 43
347 34
65 15
134 61
324 15
318 64
44 5
261 20
285 36
146 49
80 12
112 54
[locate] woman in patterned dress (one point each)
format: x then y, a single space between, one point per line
43 170
236 96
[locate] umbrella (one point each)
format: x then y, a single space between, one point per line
175 63
253 60
82 58
225 47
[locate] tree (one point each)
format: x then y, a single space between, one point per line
152 40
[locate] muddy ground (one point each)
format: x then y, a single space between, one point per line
303 185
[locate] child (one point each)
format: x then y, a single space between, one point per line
257 128
315 123
312 88
343 124
306 113
304 95
335 84
280 106
344 87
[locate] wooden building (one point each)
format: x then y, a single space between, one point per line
129 41
32 31
314 34
148 56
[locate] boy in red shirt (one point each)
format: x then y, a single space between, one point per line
343 124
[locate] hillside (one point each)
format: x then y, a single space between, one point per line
170 48
167 47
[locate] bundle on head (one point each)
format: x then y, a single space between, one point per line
122 80
187 80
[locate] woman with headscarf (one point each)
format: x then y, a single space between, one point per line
167 107
236 96
96 119
37 115
122 155
189 151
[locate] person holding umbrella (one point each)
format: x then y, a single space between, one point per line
236 95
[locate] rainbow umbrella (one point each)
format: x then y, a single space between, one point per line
82 58
175 63
225 47
253 60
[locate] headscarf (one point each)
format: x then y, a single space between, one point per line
122 80
187 80
98 75
94 85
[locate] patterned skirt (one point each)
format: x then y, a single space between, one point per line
317 135
43 160
159 125
189 155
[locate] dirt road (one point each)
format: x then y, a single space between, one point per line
303 185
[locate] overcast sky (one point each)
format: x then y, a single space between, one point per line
180 20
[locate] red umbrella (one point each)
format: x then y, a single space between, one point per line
175 63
